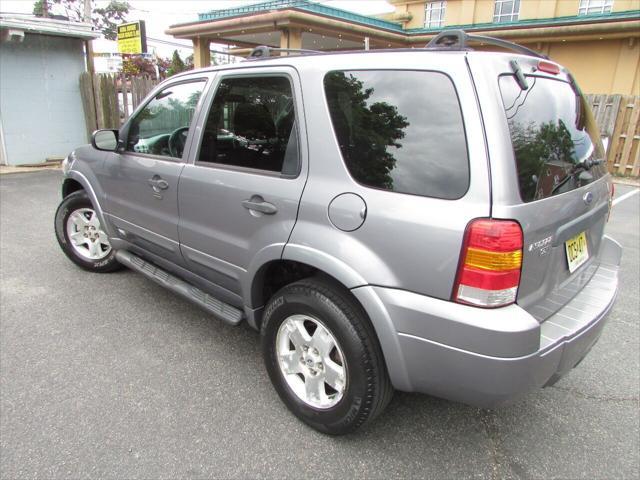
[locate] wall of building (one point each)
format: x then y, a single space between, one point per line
601 65
611 66
40 106
544 9
417 14
466 12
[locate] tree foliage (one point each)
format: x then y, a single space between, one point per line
136 65
543 151
105 19
177 64
368 132
38 8
163 66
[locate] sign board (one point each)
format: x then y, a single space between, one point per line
132 37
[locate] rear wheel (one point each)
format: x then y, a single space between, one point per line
323 357
81 236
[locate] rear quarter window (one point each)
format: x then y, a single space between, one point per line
400 131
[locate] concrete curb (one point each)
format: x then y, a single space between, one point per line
634 182
9 169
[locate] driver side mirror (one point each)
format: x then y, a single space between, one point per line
105 140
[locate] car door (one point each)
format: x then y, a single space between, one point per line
140 180
239 199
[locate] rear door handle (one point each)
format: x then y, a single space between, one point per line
158 183
257 204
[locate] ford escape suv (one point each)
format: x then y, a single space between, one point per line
427 220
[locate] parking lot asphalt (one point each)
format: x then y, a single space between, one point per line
112 376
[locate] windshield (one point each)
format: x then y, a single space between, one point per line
555 140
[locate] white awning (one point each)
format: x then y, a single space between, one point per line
47 26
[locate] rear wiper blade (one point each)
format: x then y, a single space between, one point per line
586 164
582 166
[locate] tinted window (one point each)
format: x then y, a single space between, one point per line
555 139
400 131
252 124
161 127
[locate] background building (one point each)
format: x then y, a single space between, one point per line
598 40
41 115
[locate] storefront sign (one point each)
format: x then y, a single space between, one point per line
132 37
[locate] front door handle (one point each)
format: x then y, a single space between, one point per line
158 183
257 204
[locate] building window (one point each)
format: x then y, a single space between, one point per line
506 11
594 7
434 14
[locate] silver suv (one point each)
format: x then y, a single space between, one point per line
427 220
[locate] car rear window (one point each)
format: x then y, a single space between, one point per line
400 130
556 142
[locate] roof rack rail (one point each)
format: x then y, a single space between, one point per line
459 40
264 51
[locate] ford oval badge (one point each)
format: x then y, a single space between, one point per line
588 198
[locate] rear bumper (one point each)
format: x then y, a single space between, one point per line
488 357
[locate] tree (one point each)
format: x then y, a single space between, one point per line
105 19
368 133
544 151
40 8
177 65
135 65
163 66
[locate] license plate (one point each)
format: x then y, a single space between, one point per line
577 252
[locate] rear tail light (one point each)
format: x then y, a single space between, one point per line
490 263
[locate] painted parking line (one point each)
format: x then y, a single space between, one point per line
625 196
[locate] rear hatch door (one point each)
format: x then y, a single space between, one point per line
548 173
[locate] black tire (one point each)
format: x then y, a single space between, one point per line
368 389
70 204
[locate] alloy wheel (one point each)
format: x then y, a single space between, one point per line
86 235
311 361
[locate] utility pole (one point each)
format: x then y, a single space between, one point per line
88 44
45 8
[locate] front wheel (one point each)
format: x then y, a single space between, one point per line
81 236
323 356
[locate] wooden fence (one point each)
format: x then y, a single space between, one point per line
108 100
618 117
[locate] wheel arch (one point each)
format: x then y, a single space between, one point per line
364 297
298 262
76 181
69 186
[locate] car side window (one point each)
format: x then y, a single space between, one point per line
252 124
161 127
407 139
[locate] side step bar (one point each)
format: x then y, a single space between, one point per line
223 311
